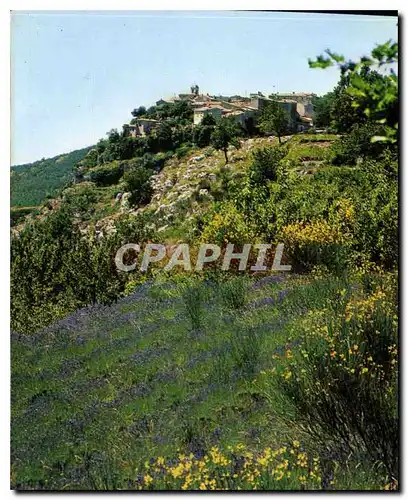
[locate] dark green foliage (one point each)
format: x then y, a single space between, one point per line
17 215
208 120
363 93
179 112
161 138
202 135
266 165
140 111
233 293
344 115
105 175
226 133
274 119
322 114
64 270
351 412
137 181
120 147
357 144
82 199
246 349
61 272
193 296
33 182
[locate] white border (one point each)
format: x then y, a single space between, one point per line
151 5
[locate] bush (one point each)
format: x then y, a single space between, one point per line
227 225
233 293
193 295
105 175
62 271
342 376
357 144
246 349
183 151
81 198
316 243
266 165
137 181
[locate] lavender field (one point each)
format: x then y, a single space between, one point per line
101 394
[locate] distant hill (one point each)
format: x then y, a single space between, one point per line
31 183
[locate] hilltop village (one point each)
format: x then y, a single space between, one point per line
298 107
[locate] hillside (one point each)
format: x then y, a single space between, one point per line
135 368
32 183
182 386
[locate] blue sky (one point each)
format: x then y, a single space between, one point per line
76 75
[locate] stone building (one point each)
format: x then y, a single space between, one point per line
215 111
141 127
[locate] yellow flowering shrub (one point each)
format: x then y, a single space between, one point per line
342 375
313 243
229 225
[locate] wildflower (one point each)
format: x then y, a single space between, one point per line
147 479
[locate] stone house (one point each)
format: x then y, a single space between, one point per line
141 128
215 111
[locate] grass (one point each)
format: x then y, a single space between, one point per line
308 152
314 138
172 369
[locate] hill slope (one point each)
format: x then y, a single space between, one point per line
100 395
31 183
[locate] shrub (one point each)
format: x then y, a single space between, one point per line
183 151
342 377
357 144
266 165
233 293
315 243
227 225
193 296
105 175
81 198
137 181
246 348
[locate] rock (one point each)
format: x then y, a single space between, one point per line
194 159
161 207
125 203
185 195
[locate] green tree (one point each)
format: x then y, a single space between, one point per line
226 133
274 119
138 182
266 165
140 111
208 120
322 110
369 93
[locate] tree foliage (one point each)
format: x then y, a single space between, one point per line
226 133
274 119
371 94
